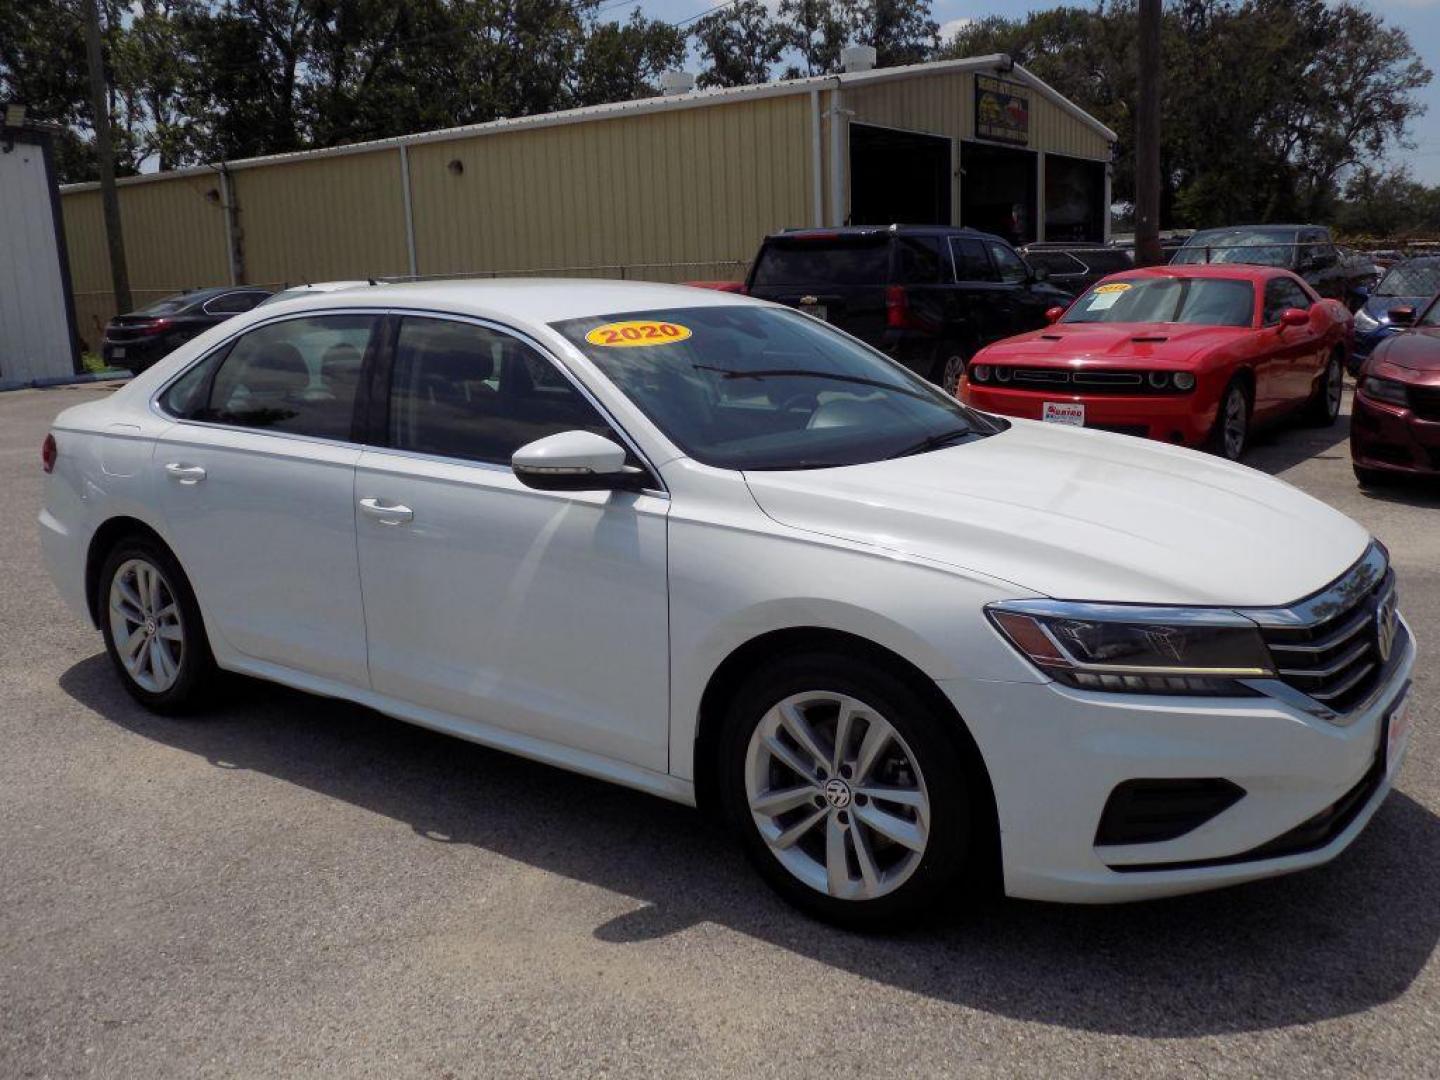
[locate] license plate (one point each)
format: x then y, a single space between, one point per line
818 311
1397 736
1064 412
118 352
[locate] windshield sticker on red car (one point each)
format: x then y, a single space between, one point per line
1105 296
626 335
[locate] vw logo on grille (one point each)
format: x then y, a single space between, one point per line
1386 627
837 793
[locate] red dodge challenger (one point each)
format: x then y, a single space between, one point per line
1192 355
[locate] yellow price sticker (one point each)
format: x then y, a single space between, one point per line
1114 287
628 335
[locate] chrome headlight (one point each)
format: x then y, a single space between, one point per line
1365 321
1387 390
1136 650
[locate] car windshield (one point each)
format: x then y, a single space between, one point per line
860 260
1196 301
1252 247
749 387
169 306
1410 279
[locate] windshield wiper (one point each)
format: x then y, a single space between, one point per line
771 373
934 442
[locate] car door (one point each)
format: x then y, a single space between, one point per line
256 482
540 612
1295 352
1021 308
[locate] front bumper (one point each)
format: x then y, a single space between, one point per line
1182 419
1055 755
1391 438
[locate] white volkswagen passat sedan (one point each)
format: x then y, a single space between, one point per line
715 550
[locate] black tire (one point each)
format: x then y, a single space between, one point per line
1220 441
953 863
1373 477
196 674
1323 408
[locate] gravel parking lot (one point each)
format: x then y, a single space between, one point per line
298 887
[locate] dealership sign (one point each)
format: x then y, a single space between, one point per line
1002 110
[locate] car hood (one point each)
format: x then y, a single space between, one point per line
1081 515
1160 343
1417 350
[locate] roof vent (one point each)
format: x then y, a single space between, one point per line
858 58
676 82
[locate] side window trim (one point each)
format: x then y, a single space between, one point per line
379 426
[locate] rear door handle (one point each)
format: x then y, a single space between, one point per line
387 513
186 474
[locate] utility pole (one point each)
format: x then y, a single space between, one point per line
1147 140
109 199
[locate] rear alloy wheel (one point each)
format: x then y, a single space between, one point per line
851 800
1324 406
1232 423
152 626
950 371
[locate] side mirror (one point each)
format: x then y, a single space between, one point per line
1055 314
1404 315
575 461
1294 316
1039 273
1361 292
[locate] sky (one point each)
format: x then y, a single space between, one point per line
1420 18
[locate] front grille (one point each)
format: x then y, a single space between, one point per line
1425 403
1078 381
1336 660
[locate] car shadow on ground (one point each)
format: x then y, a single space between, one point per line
1327 943
1276 449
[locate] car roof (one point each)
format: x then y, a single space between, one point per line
877 230
536 300
1227 271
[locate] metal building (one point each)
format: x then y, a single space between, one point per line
37 336
675 187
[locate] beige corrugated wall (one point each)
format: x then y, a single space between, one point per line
322 219
945 105
668 195
174 240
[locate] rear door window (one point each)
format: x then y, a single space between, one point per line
971 262
299 376
233 303
920 260
809 263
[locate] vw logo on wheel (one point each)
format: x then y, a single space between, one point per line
837 793
1386 627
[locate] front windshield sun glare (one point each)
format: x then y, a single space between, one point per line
764 388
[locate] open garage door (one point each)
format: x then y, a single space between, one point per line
997 191
898 176
1074 199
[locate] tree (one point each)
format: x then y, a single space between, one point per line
816 30
900 31
622 61
739 44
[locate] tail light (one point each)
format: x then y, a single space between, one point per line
155 327
897 308
48 452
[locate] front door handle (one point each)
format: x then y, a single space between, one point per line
186 474
387 513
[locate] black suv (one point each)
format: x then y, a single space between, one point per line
1308 250
928 296
137 340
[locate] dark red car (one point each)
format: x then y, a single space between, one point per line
1395 429
1193 355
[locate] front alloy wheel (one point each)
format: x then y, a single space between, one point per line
837 795
1233 424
